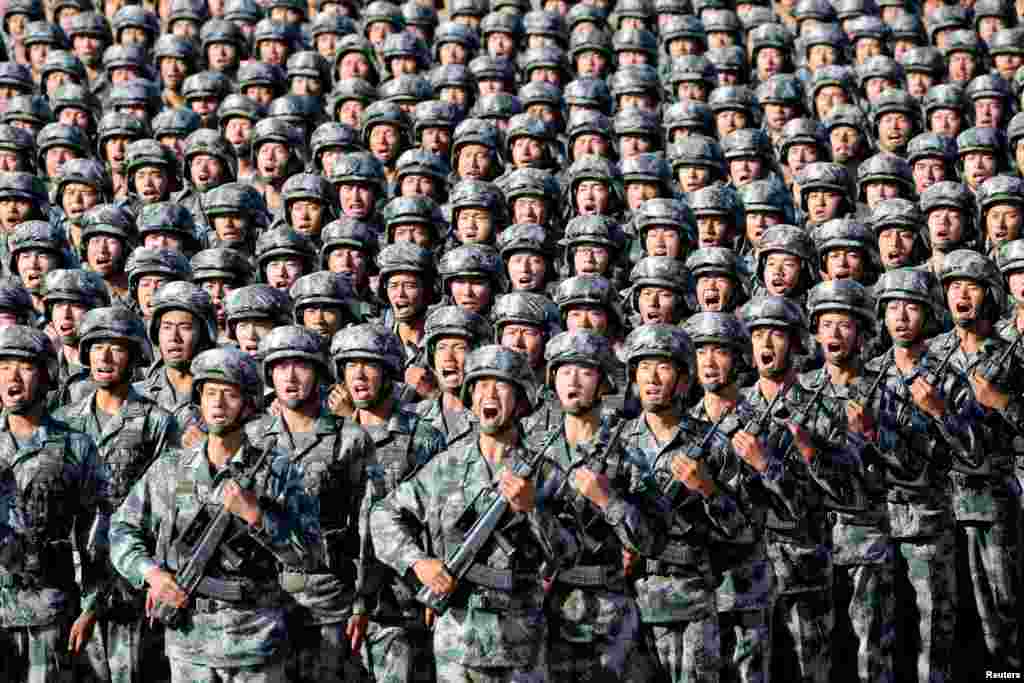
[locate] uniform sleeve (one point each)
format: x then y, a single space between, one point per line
135 525
290 525
13 526
396 519
637 512
363 451
92 525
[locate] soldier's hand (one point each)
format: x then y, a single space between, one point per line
802 441
355 631
926 397
593 486
275 408
242 503
433 575
163 590
749 448
987 394
691 474
192 436
518 491
857 419
629 561
81 631
340 402
422 380
429 616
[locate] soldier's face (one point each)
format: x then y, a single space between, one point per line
771 350
526 271
351 263
152 183
449 362
845 142
206 171
633 145
384 143
714 366
495 404
526 150
591 259
218 289
962 66
417 186
529 210
473 225
1015 281
322 320
978 167
927 172
844 263
500 44
230 228
474 162
222 405
757 222
781 273
639 192
406 295
33 264
714 292
918 83
104 253
946 122
964 299
577 387
294 381
178 336
592 198
353 65
436 140
587 318
283 272
745 171
307 216
20 382
472 293
272 159
904 320
799 156
658 381
729 121
364 381
895 246
162 240
823 205
691 91
250 332
11 161
13 212
657 305
146 289
714 231
693 178
945 228
110 363
827 99
590 143
356 199
1003 222
525 339
987 112
839 336
173 71
893 131
66 317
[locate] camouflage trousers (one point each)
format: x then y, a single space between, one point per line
991 562
596 637
929 565
397 654
865 607
114 653
321 652
537 672
802 637
689 651
36 654
746 646
273 671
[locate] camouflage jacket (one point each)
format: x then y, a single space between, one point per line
158 388
983 488
178 488
453 425
402 446
128 443
486 626
677 583
334 459
51 488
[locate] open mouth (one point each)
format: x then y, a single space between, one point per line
489 413
175 352
963 307
15 392
767 359
834 347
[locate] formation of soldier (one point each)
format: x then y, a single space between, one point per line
506 341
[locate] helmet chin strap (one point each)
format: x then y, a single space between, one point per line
383 394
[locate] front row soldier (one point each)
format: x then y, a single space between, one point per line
495 626
232 627
328 617
51 488
616 513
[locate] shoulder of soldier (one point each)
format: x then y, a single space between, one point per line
420 428
811 379
942 342
256 429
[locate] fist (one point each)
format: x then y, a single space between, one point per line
691 474
433 575
422 380
926 397
518 491
594 487
340 402
987 394
749 448
857 420
242 503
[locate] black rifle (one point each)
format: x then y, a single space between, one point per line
192 573
462 558
696 453
994 370
756 426
933 376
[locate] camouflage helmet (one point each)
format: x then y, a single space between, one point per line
589 167
496 106
529 237
846 115
471 193
470 260
308 186
767 196
980 140
787 239
349 233
487 68
254 73
1015 131
257 302
355 43
453 321
541 92
730 59
648 167
879 66
434 114
588 92
108 219
600 230
279 131
1010 257
637 40
698 150
75 285
135 16
222 30
283 242
735 98
118 124
27 343
322 289
211 143
529 182
113 324
774 311
330 136
967 264
44 33
144 261
988 85
168 217
527 126
713 261
722 329
931 146
229 365
206 84
783 89
418 161
184 296
834 75
841 296
22 185
1007 41
143 153
963 41
637 122
221 263
1000 189
32 109
657 340
38 235
368 342
502 363
947 194
581 347
904 284
289 342
885 167
803 132
236 199
474 131
62 61
359 168
895 213
455 32
823 176
311 64
403 257
659 271
662 212
591 291
525 308
588 122
19 141
405 88
747 142
179 122
405 210
635 79
89 23
717 200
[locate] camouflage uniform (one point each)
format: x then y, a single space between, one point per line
335 458
51 491
396 639
234 624
496 627
597 625
799 546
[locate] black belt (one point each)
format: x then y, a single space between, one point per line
236 590
589 576
496 579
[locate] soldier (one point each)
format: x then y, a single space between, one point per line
896 224
719 214
52 494
209 161
659 291
131 432
948 209
147 270
825 191
283 255
36 248
219 272
252 311
68 295
785 263
525 322
985 498
981 154
329 617
477 212
368 363
1000 202
308 205
167 225
451 334
235 214
349 249
932 159
718 284
322 302
277 154
181 327
611 505
525 250
108 236
495 627
152 174
846 249
405 284
234 623
471 277
798 435
22 197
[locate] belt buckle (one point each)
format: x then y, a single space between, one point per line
205 605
